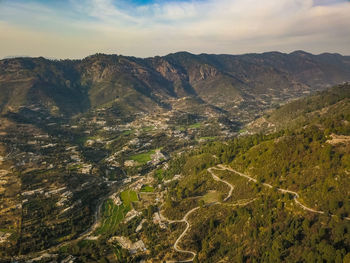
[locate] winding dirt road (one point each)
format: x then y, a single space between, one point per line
176 247
216 178
295 194
184 219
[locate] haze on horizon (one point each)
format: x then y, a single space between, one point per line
78 28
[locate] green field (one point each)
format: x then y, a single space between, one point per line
147 189
195 125
212 197
148 128
112 214
143 158
128 197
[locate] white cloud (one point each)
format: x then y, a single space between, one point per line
211 26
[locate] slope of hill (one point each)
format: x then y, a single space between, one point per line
290 198
326 107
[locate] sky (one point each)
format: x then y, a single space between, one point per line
143 28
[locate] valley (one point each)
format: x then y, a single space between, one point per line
182 158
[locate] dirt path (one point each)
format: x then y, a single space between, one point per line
295 194
176 247
188 225
216 178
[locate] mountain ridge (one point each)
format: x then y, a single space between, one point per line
223 81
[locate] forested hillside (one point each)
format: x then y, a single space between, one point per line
329 108
300 209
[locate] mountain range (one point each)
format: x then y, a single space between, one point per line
221 83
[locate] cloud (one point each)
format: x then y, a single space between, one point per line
211 26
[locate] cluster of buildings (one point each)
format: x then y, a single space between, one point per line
126 243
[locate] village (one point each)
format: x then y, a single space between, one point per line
97 153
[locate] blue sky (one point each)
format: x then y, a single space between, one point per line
77 28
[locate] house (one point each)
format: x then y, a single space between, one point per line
4 236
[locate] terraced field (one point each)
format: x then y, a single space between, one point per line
128 197
113 215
